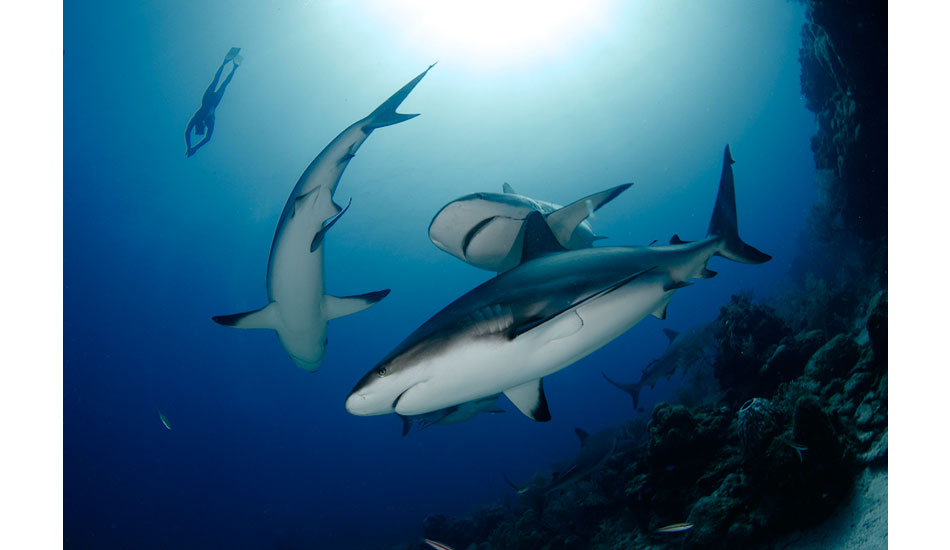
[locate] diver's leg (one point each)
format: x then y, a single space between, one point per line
217 76
226 81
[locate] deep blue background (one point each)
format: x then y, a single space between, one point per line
262 453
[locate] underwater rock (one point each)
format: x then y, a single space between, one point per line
713 515
833 360
757 424
877 328
859 383
877 453
844 81
748 336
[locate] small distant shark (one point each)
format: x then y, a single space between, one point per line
298 307
483 229
594 450
456 414
554 308
684 350
164 419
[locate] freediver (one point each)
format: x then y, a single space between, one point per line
203 120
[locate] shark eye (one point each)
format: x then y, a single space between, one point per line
381 371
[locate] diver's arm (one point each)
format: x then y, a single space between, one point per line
207 137
191 125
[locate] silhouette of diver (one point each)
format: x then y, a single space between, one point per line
203 120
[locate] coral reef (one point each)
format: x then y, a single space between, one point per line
741 475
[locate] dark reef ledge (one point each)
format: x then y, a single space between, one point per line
801 422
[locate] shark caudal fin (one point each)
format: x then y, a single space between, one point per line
723 223
385 114
632 389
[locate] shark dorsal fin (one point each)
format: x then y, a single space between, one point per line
582 435
508 189
671 334
538 240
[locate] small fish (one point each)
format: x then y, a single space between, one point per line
437 545
798 448
164 418
675 528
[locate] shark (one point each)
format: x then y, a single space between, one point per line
556 307
484 229
298 307
456 414
595 448
684 350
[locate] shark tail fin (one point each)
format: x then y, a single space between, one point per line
266 317
632 389
385 114
348 305
723 223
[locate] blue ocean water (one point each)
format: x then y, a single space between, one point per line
262 454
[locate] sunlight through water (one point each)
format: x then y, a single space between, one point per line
489 35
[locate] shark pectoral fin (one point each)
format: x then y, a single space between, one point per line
508 189
582 435
335 306
564 220
318 238
266 317
529 398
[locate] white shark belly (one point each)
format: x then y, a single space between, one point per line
296 285
488 366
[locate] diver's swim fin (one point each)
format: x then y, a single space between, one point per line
232 53
238 59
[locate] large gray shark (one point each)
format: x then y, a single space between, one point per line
685 350
554 308
456 414
484 229
298 307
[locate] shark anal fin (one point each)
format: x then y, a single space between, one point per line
266 317
530 400
708 273
318 238
660 311
348 305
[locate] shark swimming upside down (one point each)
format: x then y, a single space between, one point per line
298 307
